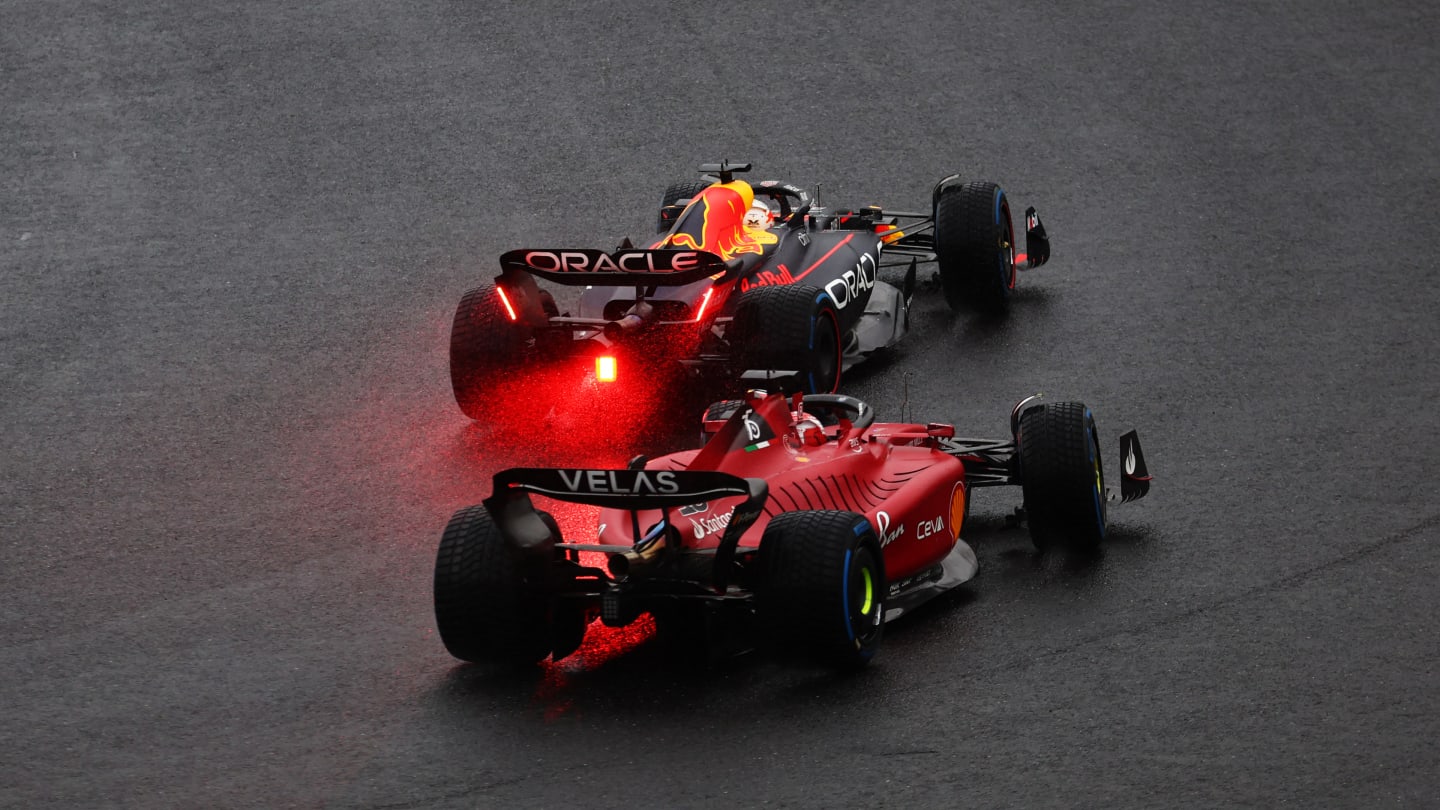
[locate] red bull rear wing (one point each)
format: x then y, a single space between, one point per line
588 267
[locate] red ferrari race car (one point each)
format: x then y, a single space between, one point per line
752 282
801 519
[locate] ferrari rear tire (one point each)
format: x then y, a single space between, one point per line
1062 477
975 246
569 619
485 610
684 190
822 586
789 327
484 344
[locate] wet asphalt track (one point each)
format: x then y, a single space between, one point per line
232 237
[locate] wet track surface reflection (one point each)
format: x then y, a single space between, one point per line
233 240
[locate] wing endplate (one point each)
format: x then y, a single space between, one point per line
1134 475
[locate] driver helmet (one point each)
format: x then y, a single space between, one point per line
808 430
759 216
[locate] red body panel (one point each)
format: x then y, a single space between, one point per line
912 495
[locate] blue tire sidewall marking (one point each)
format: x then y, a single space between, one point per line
845 594
814 383
810 375
1095 494
1004 277
819 299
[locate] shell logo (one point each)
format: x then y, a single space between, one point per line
957 509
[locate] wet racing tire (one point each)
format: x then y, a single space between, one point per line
822 586
718 412
1062 477
569 620
484 345
485 610
975 246
793 328
722 410
684 190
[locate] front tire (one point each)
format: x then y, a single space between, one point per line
1062 477
486 609
823 585
484 344
975 246
789 327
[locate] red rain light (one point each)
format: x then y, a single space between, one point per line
704 302
605 368
504 299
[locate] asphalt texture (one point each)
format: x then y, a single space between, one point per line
232 237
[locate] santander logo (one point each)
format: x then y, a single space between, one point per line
886 536
711 525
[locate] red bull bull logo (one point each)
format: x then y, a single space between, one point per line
715 222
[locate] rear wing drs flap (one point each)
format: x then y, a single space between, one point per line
628 489
634 490
588 267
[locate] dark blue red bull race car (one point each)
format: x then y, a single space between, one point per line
757 283
802 520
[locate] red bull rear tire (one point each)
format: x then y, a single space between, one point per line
484 345
792 328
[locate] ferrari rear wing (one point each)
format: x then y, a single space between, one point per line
632 489
628 489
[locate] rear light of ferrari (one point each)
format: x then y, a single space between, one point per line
605 370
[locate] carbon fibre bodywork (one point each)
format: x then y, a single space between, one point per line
678 301
693 528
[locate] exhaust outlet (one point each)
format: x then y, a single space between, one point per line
643 554
631 321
